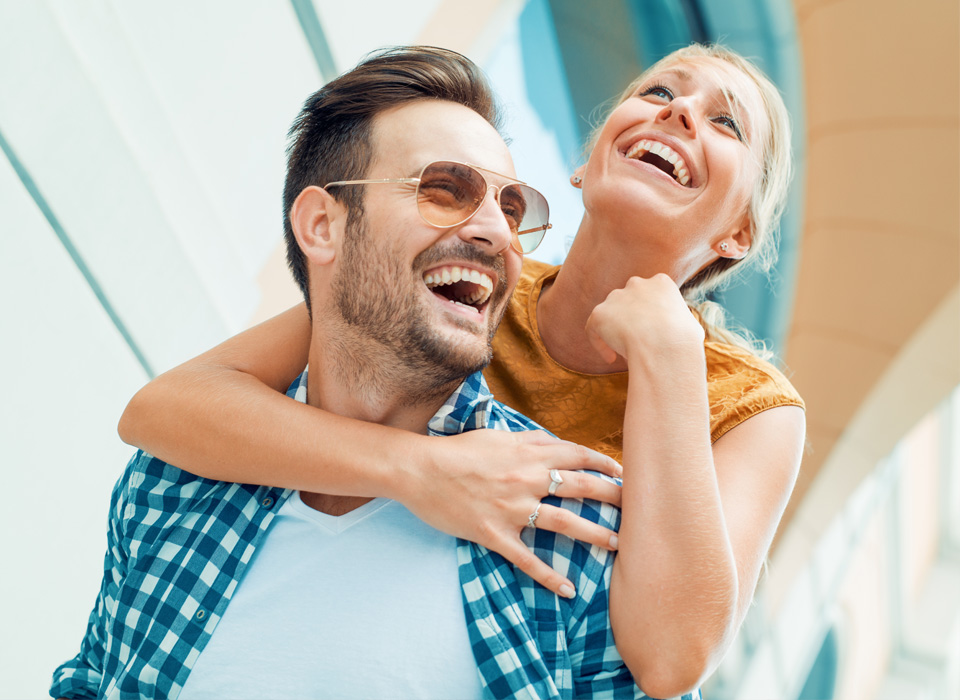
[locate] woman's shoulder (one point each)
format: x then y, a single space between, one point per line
726 360
519 323
534 271
741 384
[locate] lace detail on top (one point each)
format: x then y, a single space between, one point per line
589 408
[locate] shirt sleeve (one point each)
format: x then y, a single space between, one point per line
741 385
81 676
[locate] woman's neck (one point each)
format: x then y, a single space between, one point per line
589 273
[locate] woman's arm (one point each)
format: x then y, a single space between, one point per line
223 415
697 521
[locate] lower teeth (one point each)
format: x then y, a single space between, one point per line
466 306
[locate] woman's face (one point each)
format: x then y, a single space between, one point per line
675 165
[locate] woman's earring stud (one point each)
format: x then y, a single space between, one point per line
576 180
724 246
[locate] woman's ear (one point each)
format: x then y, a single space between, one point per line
314 218
577 178
737 243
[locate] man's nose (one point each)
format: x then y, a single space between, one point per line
488 227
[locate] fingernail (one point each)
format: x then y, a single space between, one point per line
614 541
566 590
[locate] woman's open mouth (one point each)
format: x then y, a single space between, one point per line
663 157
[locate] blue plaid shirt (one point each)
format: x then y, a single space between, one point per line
178 545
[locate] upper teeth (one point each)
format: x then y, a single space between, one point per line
450 274
680 171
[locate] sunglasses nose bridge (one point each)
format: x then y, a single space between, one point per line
501 235
483 198
498 191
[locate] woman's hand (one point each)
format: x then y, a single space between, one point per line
646 315
483 486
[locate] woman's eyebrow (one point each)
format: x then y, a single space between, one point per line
734 103
681 73
740 111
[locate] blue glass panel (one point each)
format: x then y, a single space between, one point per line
545 77
822 679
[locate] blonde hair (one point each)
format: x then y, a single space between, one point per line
767 202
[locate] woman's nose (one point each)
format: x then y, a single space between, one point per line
679 111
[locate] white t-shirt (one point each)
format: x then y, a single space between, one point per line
363 605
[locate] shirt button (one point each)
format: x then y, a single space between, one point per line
201 614
266 502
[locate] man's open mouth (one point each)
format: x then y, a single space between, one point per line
461 285
663 157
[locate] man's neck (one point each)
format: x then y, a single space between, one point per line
354 379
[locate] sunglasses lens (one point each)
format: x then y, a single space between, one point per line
449 193
527 213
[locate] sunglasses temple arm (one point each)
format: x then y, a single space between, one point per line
538 228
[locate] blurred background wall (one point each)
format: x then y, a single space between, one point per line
140 181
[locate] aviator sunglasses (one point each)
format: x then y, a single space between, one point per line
449 193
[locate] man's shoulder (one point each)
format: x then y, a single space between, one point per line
502 417
148 485
598 512
144 472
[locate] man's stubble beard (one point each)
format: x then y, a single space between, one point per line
380 302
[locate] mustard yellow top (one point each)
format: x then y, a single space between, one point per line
589 408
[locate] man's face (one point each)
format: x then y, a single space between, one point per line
439 329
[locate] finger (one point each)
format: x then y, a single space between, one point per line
518 554
537 437
576 527
580 485
607 354
580 457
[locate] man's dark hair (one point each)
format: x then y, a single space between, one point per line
330 138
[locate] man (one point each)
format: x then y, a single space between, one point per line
406 259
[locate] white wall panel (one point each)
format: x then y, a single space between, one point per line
107 55
62 129
157 136
231 76
67 373
354 28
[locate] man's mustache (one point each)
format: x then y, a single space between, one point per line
462 250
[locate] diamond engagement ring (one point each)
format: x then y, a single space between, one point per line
555 481
532 520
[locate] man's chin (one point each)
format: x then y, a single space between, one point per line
458 327
446 347
460 352
467 358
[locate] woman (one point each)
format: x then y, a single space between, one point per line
684 185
